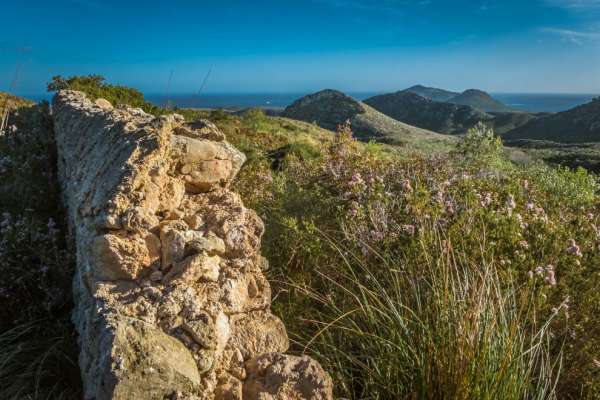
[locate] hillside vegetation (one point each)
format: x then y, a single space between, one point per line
578 125
408 274
330 108
425 113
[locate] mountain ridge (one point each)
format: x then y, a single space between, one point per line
580 124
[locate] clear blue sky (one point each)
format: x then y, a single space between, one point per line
305 45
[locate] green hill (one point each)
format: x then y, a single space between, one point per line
331 108
577 125
436 116
432 93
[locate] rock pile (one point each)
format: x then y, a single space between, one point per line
171 299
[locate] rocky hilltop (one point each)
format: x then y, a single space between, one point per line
577 125
330 108
171 301
430 93
416 110
481 100
472 97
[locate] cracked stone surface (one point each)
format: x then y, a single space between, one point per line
171 300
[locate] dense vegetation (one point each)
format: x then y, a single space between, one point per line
38 351
461 276
408 275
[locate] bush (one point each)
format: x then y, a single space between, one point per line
94 86
532 230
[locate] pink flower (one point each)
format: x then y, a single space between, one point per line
550 279
356 179
524 244
486 200
377 236
574 249
408 229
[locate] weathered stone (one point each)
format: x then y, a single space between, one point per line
120 257
173 244
138 219
210 244
257 333
230 388
194 268
283 377
147 364
170 298
103 103
210 164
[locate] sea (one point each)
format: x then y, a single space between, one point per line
531 102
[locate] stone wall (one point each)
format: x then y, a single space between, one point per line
171 301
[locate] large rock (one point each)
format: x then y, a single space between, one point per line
171 300
283 377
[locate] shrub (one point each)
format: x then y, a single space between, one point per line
480 145
95 86
530 228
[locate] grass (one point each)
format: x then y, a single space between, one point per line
446 329
38 361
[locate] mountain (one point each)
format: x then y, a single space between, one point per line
577 125
330 108
479 99
432 93
504 122
413 109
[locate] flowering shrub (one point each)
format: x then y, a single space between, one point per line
534 226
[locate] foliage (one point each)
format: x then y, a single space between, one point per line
531 229
95 86
37 345
480 144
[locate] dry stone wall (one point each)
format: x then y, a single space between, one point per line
171 298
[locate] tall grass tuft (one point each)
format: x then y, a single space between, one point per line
445 327
38 361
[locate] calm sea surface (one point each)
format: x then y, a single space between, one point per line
533 102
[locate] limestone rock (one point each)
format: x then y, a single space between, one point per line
148 364
206 164
283 377
104 104
121 256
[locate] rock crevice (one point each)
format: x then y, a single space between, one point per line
171 299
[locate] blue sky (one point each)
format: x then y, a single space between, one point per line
305 45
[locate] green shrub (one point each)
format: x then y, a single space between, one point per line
480 145
94 86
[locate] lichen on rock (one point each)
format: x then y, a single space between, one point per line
171 300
